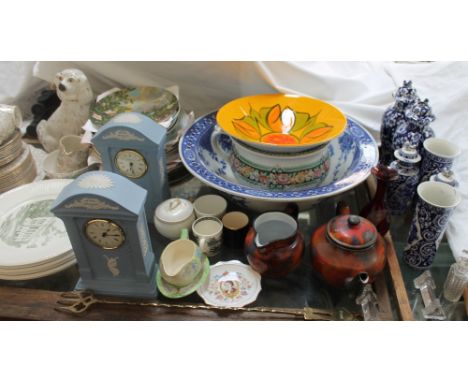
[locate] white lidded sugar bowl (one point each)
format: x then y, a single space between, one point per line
172 216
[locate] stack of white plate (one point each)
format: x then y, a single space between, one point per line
33 242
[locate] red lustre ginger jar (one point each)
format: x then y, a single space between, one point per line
346 250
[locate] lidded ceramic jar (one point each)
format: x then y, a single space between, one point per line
347 250
172 216
401 191
446 176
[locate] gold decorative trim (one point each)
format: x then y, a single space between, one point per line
91 204
123 135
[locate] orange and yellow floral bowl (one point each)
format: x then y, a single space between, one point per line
280 122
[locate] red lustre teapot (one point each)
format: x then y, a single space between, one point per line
274 246
347 249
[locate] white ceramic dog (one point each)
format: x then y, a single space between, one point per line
76 95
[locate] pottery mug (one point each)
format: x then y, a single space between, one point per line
210 205
10 119
181 261
436 202
72 154
208 231
438 155
235 228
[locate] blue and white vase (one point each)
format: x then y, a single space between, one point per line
415 128
438 155
394 116
400 191
436 202
446 176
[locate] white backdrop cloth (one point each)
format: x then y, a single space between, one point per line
363 90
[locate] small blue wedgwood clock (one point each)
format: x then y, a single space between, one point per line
132 145
104 215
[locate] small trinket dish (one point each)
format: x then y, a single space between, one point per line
173 215
230 284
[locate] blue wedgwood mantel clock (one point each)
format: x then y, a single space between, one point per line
104 215
132 145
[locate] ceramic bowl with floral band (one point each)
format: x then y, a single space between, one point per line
280 122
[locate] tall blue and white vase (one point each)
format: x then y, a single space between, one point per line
436 202
401 191
415 128
438 155
394 116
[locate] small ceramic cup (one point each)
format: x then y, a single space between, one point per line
72 153
208 230
436 202
210 205
235 227
438 155
181 261
173 215
10 119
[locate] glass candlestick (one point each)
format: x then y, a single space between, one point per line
432 308
369 304
376 211
456 281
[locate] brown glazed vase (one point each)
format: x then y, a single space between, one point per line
273 245
347 250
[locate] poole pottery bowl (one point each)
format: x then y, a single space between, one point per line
280 122
352 156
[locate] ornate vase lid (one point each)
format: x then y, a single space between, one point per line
407 154
352 232
174 210
446 176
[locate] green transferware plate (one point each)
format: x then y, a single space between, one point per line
158 104
172 291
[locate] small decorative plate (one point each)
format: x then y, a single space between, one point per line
279 122
232 284
158 104
172 291
29 232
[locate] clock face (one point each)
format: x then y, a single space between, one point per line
131 163
104 233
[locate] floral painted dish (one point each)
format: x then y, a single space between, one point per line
352 156
231 284
279 122
158 104
172 291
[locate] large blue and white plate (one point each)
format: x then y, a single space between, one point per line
352 156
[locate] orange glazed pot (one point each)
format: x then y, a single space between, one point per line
346 250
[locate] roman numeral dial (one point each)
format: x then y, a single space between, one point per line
104 233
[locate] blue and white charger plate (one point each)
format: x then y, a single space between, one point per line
352 155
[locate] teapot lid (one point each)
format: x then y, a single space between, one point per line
352 232
174 210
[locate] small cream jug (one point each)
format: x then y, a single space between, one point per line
72 153
181 261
